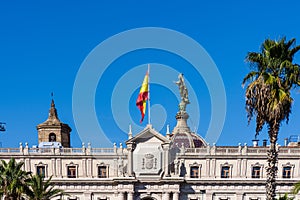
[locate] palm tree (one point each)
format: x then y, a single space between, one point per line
268 94
296 188
12 179
40 189
285 197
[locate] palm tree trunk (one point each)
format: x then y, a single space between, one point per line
272 157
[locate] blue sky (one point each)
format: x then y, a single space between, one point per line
44 44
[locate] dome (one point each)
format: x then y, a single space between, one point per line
187 139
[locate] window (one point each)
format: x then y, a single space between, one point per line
194 172
71 171
256 172
287 172
41 170
102 172
225 172
52 137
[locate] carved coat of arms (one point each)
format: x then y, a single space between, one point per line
149 161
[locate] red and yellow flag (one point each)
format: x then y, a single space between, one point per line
143 97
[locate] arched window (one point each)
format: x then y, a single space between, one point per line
52 137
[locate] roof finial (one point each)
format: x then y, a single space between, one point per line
52 111
52 101
130 132
168 131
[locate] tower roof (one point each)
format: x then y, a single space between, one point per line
53 119
52 116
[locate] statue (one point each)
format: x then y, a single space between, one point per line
183 93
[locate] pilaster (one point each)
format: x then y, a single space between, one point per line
58 167
130 196
166 148
120 195
84 167
89 167
130 148
176 196
166 196
208 167
53 167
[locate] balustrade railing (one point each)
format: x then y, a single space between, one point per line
238 150
63 151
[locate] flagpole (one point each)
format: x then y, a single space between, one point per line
149 114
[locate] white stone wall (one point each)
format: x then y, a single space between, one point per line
119 185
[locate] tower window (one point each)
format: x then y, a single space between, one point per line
52 137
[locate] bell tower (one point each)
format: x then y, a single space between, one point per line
53 130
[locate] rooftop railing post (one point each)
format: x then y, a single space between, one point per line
21 147
89 149
26 148
83 148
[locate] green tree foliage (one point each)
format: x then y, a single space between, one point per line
40 189
268 96
12 179
285 197
296 188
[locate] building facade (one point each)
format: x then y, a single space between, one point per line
178 165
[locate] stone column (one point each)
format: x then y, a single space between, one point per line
130 157
130 196
166 196
166 159
121 196
176 196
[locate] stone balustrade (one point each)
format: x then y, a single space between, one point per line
238 150
25 150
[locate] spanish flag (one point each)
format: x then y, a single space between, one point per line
143 96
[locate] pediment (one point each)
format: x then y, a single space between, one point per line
148 135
